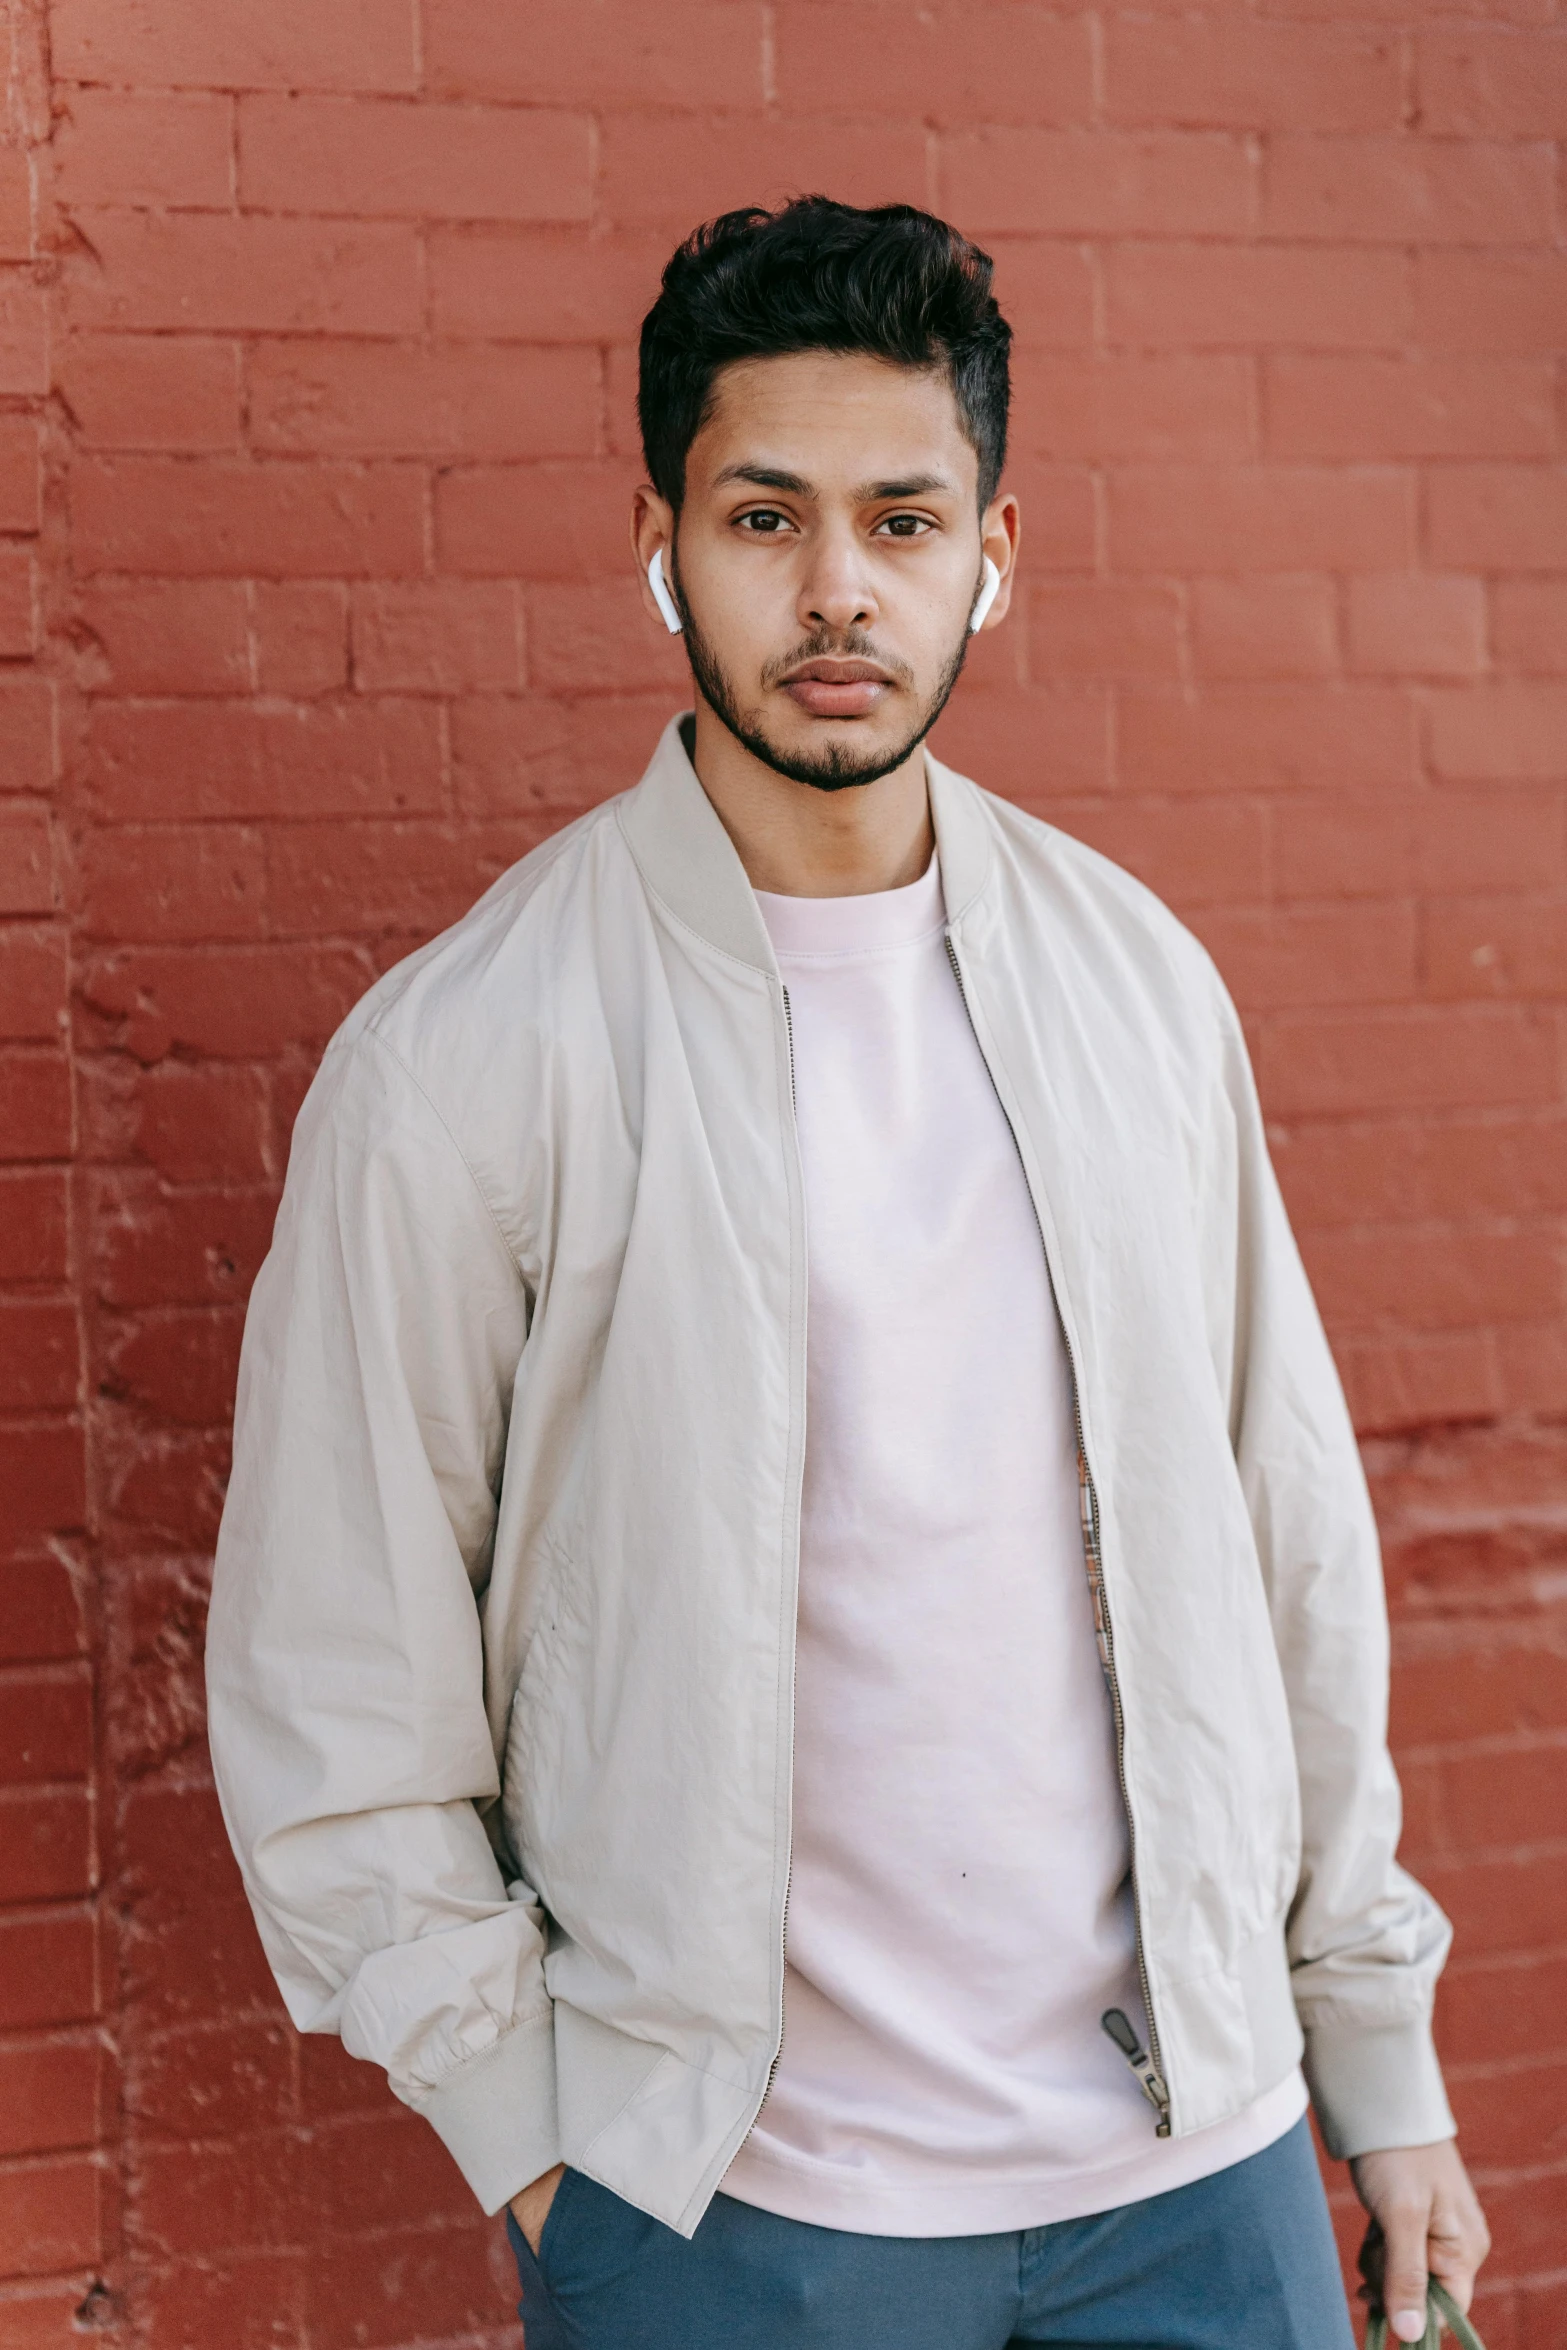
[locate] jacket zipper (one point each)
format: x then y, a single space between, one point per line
1148 2067
783 1919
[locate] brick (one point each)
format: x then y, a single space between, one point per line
535 521
647 178
677 54
542 285
289 44
440 636
947 66
363 879
1394 1383
169 636
1060 519
1336 406
1511 1903
192 1248
1096 183
32 983
24 336
1103 629
236 760
1483 1687
231 1003
178 1364
27 735
20 474
307 521
599 639
26 861
1299 956
45 1733
41 2317
517 754
38 1360
213 2082
1513 730
300 634
1260 518
1265 628
1239 296
1192 406
190 882
45 1848
1046 290
1512 946
18 603
1532 1361
1506 1797
152 391
1194 853
34 1228
1475 81
1416 623
246 2301
49 2217
382 2171
137 147
49 2096
1267 737
437 2276
1420 1281
1223 73
1394 190
1330 848
35 1105
47 1970
1497 517
376 159
243 273
1529 626
1030 744
332 2082
16 204
1490 303
1461 1058
202 1125
362 400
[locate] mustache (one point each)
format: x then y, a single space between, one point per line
845 644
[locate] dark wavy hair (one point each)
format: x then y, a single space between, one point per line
820 276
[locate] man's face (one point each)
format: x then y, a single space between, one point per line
826 560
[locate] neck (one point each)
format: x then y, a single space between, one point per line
799 842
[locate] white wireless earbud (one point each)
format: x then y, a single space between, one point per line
661 595
989 584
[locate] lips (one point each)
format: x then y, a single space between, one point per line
837 689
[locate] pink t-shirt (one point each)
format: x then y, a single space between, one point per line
959 1908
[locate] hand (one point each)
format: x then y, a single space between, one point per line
1425 2218
531 2208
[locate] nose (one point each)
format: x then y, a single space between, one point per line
836 592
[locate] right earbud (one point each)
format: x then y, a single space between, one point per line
990 582
661 595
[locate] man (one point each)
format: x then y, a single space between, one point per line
787 1475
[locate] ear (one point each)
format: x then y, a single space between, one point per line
652 533
1000 530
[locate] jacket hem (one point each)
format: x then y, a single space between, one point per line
1376 2085
496 2114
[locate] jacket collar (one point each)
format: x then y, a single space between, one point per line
689 861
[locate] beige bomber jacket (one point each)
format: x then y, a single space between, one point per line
501 1647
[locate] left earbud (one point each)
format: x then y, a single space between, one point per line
990 581
661 595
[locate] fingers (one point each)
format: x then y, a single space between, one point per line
1405 2221
1459 2241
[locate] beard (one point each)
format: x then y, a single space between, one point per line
836 766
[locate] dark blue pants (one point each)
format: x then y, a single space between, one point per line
1241 2261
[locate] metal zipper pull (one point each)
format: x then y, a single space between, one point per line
1118 2027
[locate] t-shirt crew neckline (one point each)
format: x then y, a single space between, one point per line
824 928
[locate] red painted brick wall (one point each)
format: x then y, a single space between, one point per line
316 356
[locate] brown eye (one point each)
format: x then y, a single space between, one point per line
765 521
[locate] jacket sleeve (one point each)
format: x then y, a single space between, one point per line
344 1660
1366 1943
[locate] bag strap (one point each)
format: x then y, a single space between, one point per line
1440 2305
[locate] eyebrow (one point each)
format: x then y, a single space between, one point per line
870 493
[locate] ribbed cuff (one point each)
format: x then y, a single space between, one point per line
496 2114
1376 2085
